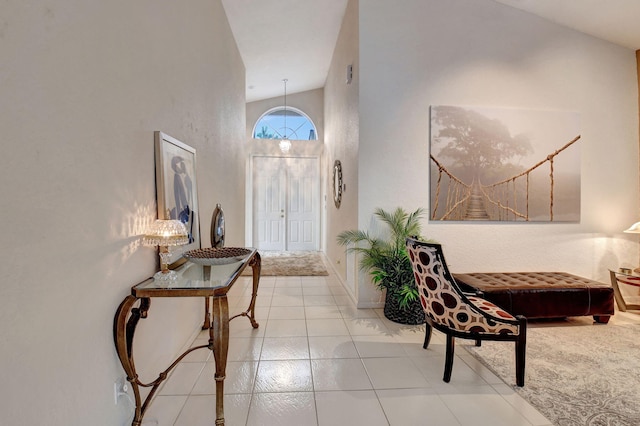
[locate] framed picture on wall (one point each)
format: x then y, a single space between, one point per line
176 189
504 164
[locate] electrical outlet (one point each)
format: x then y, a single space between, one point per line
120 388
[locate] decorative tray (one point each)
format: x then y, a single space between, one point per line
216 256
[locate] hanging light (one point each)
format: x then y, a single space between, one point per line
285 143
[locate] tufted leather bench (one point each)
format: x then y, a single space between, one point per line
542 294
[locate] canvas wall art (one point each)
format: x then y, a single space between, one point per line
504 165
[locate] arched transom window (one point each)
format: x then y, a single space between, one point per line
271 125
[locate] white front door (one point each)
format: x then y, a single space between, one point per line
286 203
302 212
269 202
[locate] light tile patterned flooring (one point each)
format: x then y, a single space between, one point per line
317 360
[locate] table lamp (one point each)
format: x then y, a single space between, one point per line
165 233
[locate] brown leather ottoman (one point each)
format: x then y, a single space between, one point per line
542 294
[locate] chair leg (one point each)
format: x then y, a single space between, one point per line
520 361
521 347
448 363
427 335
478 342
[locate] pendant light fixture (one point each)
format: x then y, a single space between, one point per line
285 143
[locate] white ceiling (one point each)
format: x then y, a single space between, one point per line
617 21
294 39
278 39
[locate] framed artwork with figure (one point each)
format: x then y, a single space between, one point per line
176 189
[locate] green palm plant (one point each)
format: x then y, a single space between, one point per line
386 259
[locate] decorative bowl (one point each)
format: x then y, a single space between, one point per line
216 256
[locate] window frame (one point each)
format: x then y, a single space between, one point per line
282 108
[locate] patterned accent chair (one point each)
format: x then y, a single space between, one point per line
459 314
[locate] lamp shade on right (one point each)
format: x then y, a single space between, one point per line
633 229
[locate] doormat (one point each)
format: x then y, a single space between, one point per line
291 263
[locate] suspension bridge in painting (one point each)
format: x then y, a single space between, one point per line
497 201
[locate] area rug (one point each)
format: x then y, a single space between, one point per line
291 263
577 374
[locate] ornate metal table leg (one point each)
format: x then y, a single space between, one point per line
207 316
219 340
256 266
206 275
123 332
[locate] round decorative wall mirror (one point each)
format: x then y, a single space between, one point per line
337 183
217 227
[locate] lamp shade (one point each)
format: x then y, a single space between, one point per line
166 233
633 229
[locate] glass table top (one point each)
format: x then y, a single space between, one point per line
195 279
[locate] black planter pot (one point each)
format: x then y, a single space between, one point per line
412 315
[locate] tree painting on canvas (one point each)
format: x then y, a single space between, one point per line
497 164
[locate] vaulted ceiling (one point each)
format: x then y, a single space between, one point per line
294 39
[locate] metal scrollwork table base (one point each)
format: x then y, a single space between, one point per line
211 282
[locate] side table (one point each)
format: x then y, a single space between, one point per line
212 282
626 278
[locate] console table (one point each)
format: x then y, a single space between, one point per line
212 282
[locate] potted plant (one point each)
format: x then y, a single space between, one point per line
386 259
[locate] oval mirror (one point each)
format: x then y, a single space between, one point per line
337 183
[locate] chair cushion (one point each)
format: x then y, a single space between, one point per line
490 308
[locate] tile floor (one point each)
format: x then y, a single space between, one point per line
317 360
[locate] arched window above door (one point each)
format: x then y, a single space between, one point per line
271 125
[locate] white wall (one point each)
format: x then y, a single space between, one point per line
85 83
477 52
342 131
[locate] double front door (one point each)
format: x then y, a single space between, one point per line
286 203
